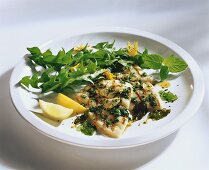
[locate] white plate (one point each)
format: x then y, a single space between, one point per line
189 87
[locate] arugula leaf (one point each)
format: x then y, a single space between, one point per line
164 72
63 77
34 80
167 96
100 45
50 59
61 54
44 77
25 81
110 45
50 85
152 61
47 53
175 64
120 52
34 51
67 58
91 67
103 45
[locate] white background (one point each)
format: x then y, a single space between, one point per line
26 23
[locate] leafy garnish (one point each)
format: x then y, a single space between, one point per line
171 64
152 61
167 96
67 69
103 45
175 64
163 72
25 81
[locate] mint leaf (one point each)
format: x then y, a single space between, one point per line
164 72
175 64
167 96
152 61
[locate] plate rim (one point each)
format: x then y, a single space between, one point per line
174 125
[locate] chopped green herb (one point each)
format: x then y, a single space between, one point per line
159 114
108 122
125 93
152 100
81 119
167 96
124 112
83 96
87 128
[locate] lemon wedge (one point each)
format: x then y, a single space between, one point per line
55 111
69 103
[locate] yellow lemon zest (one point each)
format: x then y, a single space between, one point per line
74 68
132 49
164 84
109 75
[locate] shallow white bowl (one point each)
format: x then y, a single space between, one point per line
189 87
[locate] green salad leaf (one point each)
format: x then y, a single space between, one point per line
25 81
68 69
34 51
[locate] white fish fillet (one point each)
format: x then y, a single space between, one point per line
114 131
